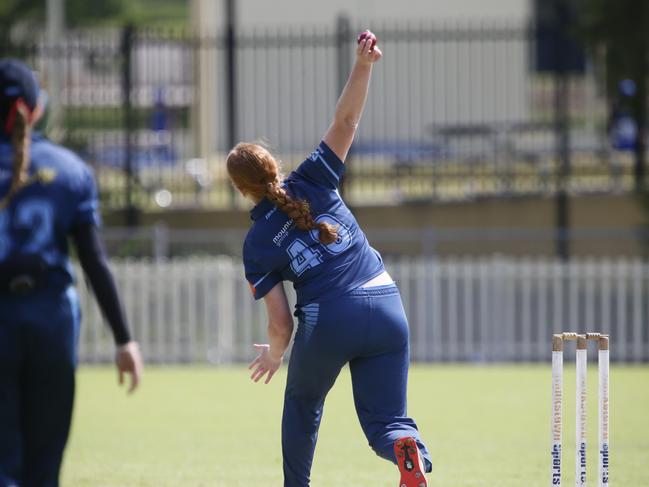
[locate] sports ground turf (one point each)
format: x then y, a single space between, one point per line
485 426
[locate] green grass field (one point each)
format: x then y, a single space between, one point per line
485 427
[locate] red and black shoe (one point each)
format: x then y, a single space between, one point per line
411 465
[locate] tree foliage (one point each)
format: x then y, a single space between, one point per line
77 12
619 29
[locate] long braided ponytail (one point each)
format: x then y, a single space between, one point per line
20 137
255 173
300 213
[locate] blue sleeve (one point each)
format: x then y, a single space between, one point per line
323 167
86 211
260 279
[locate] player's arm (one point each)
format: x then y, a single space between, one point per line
95 267
340 135
280 330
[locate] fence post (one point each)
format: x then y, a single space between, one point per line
160 241
56 67
231 82
562 130
128 35
428 242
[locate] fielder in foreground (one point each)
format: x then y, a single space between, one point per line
349 309
46 195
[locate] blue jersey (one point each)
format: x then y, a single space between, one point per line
59 195
276 250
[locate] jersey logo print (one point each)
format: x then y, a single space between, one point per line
283 232
45 175
316 156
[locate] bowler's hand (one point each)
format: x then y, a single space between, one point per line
265 362
365 53
129 361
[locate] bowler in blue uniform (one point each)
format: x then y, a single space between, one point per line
349 309
47 195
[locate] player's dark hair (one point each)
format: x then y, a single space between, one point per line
255 172
20 137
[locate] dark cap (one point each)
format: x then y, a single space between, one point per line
17 81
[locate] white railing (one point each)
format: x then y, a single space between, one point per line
478 310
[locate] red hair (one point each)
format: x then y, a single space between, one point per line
18 122
255 172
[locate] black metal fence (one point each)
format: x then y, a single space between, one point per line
455 111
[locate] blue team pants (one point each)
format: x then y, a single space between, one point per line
368 329
38 335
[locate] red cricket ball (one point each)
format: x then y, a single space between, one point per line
363 35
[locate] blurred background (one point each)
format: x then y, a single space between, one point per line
500 166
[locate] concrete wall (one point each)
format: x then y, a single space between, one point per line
520 227
259 13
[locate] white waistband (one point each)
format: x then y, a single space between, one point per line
382 279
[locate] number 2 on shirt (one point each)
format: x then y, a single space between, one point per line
36 215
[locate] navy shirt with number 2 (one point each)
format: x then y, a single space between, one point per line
276 250
59 195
